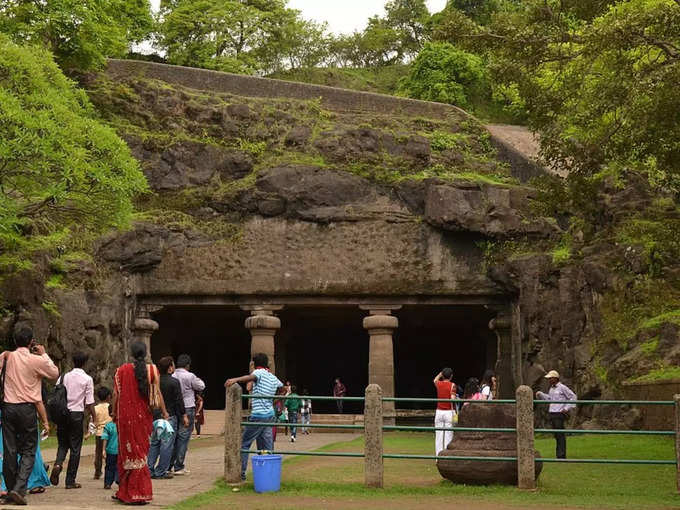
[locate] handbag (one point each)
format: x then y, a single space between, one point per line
155 396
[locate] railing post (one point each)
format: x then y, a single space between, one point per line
677 440
373 436
526 474
232 435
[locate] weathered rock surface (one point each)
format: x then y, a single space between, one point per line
188 164
486 209
483 444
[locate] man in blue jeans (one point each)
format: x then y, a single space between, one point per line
161 450
189 384
265 383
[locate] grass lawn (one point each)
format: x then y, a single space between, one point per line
312 482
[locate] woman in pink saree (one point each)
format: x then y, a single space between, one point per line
133 389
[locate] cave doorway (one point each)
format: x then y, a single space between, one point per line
214 337
430 338
318 344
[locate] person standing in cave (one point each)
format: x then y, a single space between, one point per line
559 412
339 391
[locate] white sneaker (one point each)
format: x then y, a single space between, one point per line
182 472
292 439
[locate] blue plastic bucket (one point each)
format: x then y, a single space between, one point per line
267 473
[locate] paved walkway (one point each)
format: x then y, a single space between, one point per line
205 460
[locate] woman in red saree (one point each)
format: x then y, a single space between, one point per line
133 384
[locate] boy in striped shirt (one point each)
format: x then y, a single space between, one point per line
264 383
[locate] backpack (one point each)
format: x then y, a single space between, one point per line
57 403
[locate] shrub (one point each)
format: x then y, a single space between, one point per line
444 73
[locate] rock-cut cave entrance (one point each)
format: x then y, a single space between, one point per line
318 343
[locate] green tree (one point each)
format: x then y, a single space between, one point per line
409 18
599 81
80 33
62 172
479 11
444 73
240 35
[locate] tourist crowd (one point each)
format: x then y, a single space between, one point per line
142 426
446 414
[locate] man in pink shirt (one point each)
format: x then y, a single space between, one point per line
80 396
24 370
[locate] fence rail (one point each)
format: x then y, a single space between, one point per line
374 426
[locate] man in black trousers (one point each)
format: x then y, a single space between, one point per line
80 398
24 370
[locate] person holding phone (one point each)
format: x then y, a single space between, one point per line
23 371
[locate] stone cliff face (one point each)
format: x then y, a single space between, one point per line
292 196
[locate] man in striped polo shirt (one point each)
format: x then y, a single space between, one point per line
265 383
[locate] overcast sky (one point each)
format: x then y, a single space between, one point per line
342 15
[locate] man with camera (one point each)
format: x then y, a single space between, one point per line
22 374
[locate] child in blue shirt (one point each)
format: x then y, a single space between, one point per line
110 440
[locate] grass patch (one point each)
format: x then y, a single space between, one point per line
655 322
442 140
338 482
561 254
55 281
658 375
643 303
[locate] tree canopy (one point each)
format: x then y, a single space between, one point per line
80 33
239 35
446 74
61 171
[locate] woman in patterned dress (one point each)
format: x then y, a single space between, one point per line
135 386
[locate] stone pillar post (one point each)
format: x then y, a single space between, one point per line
526 469
373 433
263 326
509 360
144 326
380 325
232 435
677 440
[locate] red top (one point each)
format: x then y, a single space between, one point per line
444 390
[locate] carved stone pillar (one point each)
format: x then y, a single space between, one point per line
380 325
144 326
509 360
263 326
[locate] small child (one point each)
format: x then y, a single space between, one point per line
101 418
199 419
293 404
110 441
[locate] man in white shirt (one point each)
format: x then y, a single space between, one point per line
558 412
190 384
80 396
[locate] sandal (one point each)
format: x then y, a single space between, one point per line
37 490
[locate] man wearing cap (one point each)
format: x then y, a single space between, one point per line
558 412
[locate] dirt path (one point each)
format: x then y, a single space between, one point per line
519 137
522 140
205 460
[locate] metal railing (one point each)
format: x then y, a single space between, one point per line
374 426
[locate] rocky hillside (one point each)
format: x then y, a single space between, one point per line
367 201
